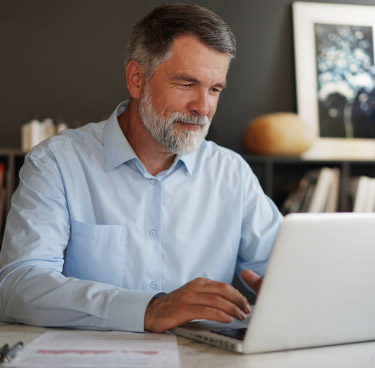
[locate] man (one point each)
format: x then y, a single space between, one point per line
137 223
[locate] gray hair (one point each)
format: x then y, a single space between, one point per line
151 40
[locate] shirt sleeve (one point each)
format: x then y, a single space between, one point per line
33 289
261 222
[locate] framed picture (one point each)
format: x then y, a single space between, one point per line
335 77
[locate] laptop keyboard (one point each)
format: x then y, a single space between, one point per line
237 333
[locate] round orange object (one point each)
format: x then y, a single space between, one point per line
278 134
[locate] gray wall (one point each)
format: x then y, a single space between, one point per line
64 58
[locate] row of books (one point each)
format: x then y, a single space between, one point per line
318 191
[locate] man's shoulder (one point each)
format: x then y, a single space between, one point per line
215 153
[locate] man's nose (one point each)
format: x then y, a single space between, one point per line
200 104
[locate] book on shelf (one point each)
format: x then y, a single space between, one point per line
325 196
363 192
318 191
309 194
299 197
333 199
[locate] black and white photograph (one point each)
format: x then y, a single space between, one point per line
345 80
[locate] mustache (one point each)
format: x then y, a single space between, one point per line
189 119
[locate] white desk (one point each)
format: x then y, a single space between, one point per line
194 354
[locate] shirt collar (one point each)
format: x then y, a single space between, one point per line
116 146
188 161
118 150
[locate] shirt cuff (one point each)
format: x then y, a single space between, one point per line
128 309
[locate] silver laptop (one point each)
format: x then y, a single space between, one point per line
319 289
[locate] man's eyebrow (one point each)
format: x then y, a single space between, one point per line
189 78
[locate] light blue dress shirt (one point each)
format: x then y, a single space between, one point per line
91 236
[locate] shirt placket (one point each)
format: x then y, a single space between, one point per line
155 235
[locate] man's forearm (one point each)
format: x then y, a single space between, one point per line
43 297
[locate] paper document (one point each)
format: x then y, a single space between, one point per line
77 348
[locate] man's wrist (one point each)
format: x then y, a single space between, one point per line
149 311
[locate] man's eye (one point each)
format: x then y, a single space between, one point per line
216 90
186 85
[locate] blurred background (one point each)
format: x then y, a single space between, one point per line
64 59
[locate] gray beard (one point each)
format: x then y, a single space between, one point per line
181 142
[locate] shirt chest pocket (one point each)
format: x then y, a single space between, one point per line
96 252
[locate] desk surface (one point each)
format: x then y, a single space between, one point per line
194 354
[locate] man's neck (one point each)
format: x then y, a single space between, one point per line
154 156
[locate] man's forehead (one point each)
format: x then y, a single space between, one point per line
190 57
187 42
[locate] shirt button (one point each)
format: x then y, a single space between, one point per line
152 284
153 232
153 181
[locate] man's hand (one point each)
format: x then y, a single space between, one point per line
252 280
198 299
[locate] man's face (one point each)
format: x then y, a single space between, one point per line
178 103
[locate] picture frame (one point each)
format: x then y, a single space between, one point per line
335 78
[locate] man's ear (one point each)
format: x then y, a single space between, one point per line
135 78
